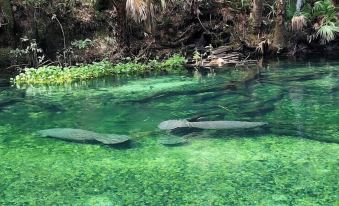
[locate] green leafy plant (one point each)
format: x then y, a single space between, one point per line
197 57
326 22
35 3
174 63
60 75
29 52
322 16
327 32
82 44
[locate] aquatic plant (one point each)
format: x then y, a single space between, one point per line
60 75
265 171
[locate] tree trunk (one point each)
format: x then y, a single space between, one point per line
120 6
279 29
122 22
257 15
149 24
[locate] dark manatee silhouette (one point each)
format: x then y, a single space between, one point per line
174 125
80 135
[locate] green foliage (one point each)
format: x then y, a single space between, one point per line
82 44
35 3
59 75
324 8
197 57
327 32
241 4
174 63
327 26
29 51
322 15
290 10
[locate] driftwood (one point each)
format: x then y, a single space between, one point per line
224 56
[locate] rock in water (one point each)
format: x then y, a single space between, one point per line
80 135
173 124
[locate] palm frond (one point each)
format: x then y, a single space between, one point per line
137 9
327 32
298 23
163 4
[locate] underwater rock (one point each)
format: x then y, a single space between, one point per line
173 124
79 135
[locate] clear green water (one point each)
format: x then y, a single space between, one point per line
293 162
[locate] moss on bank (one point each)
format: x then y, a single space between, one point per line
61 75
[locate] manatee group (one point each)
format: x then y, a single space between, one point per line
80 135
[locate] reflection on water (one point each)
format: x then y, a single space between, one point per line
291 162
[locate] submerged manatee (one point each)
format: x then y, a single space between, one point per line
173 124
80 135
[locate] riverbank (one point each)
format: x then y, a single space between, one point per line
81 32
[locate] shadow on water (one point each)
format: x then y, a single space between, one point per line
121 146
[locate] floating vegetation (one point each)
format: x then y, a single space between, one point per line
61 75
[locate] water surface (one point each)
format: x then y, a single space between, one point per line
292 162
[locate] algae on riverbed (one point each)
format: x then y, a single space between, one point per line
267 170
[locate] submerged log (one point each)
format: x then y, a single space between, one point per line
224 56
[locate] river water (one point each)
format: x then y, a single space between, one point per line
292 161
